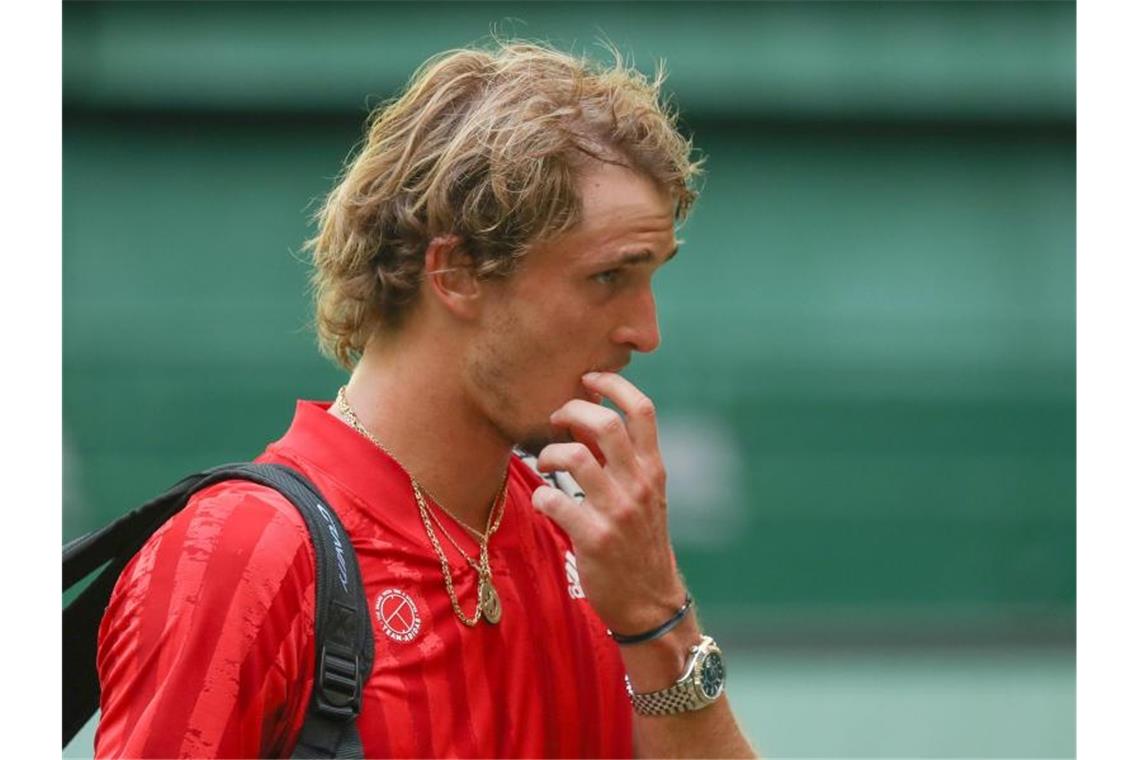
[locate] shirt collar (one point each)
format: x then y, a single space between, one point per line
379 483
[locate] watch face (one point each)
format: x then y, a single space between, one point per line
712 675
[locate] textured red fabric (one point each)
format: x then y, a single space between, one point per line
206 649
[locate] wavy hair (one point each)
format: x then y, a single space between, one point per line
485 145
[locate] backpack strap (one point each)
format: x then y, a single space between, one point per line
344 646
343 636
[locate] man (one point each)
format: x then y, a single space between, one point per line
483 268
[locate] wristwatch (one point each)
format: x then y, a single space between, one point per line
700 684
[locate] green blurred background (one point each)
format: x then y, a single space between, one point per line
867 380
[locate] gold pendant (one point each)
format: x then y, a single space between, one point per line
489 601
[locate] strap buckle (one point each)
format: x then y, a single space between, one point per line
338 684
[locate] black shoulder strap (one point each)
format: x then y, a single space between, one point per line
343 628
343 637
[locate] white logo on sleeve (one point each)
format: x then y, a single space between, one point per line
575 585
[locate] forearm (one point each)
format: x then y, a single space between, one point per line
708 732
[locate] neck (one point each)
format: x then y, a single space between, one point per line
412 401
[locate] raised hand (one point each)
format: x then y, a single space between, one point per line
620 531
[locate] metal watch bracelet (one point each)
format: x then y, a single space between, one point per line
701 683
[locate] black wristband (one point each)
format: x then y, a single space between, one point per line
659 631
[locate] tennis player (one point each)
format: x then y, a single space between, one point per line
483 269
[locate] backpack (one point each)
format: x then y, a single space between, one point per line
343 627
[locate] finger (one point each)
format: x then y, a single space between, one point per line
567 513
595 424
577 460
640 413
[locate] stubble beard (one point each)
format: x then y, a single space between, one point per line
531 439
492 367
509 414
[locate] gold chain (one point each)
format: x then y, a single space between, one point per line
482 537
483 569
485 593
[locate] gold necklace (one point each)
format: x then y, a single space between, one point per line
447 534
487 604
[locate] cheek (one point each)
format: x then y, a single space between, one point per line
537 351
513 359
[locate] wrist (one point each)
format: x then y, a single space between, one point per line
657 664
647 611
700 685
626 639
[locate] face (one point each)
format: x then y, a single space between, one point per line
577 303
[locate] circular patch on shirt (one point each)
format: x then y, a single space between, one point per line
398 615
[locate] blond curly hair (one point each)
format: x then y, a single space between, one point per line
484 144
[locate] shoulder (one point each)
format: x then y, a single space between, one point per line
237 519
212 619
235 544
238 512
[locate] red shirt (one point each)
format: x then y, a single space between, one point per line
207 648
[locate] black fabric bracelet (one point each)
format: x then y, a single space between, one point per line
660 630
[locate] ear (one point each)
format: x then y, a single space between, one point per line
449 276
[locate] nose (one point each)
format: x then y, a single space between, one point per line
639 330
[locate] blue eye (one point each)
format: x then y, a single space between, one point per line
608 277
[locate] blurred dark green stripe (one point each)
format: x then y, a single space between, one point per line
957 60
